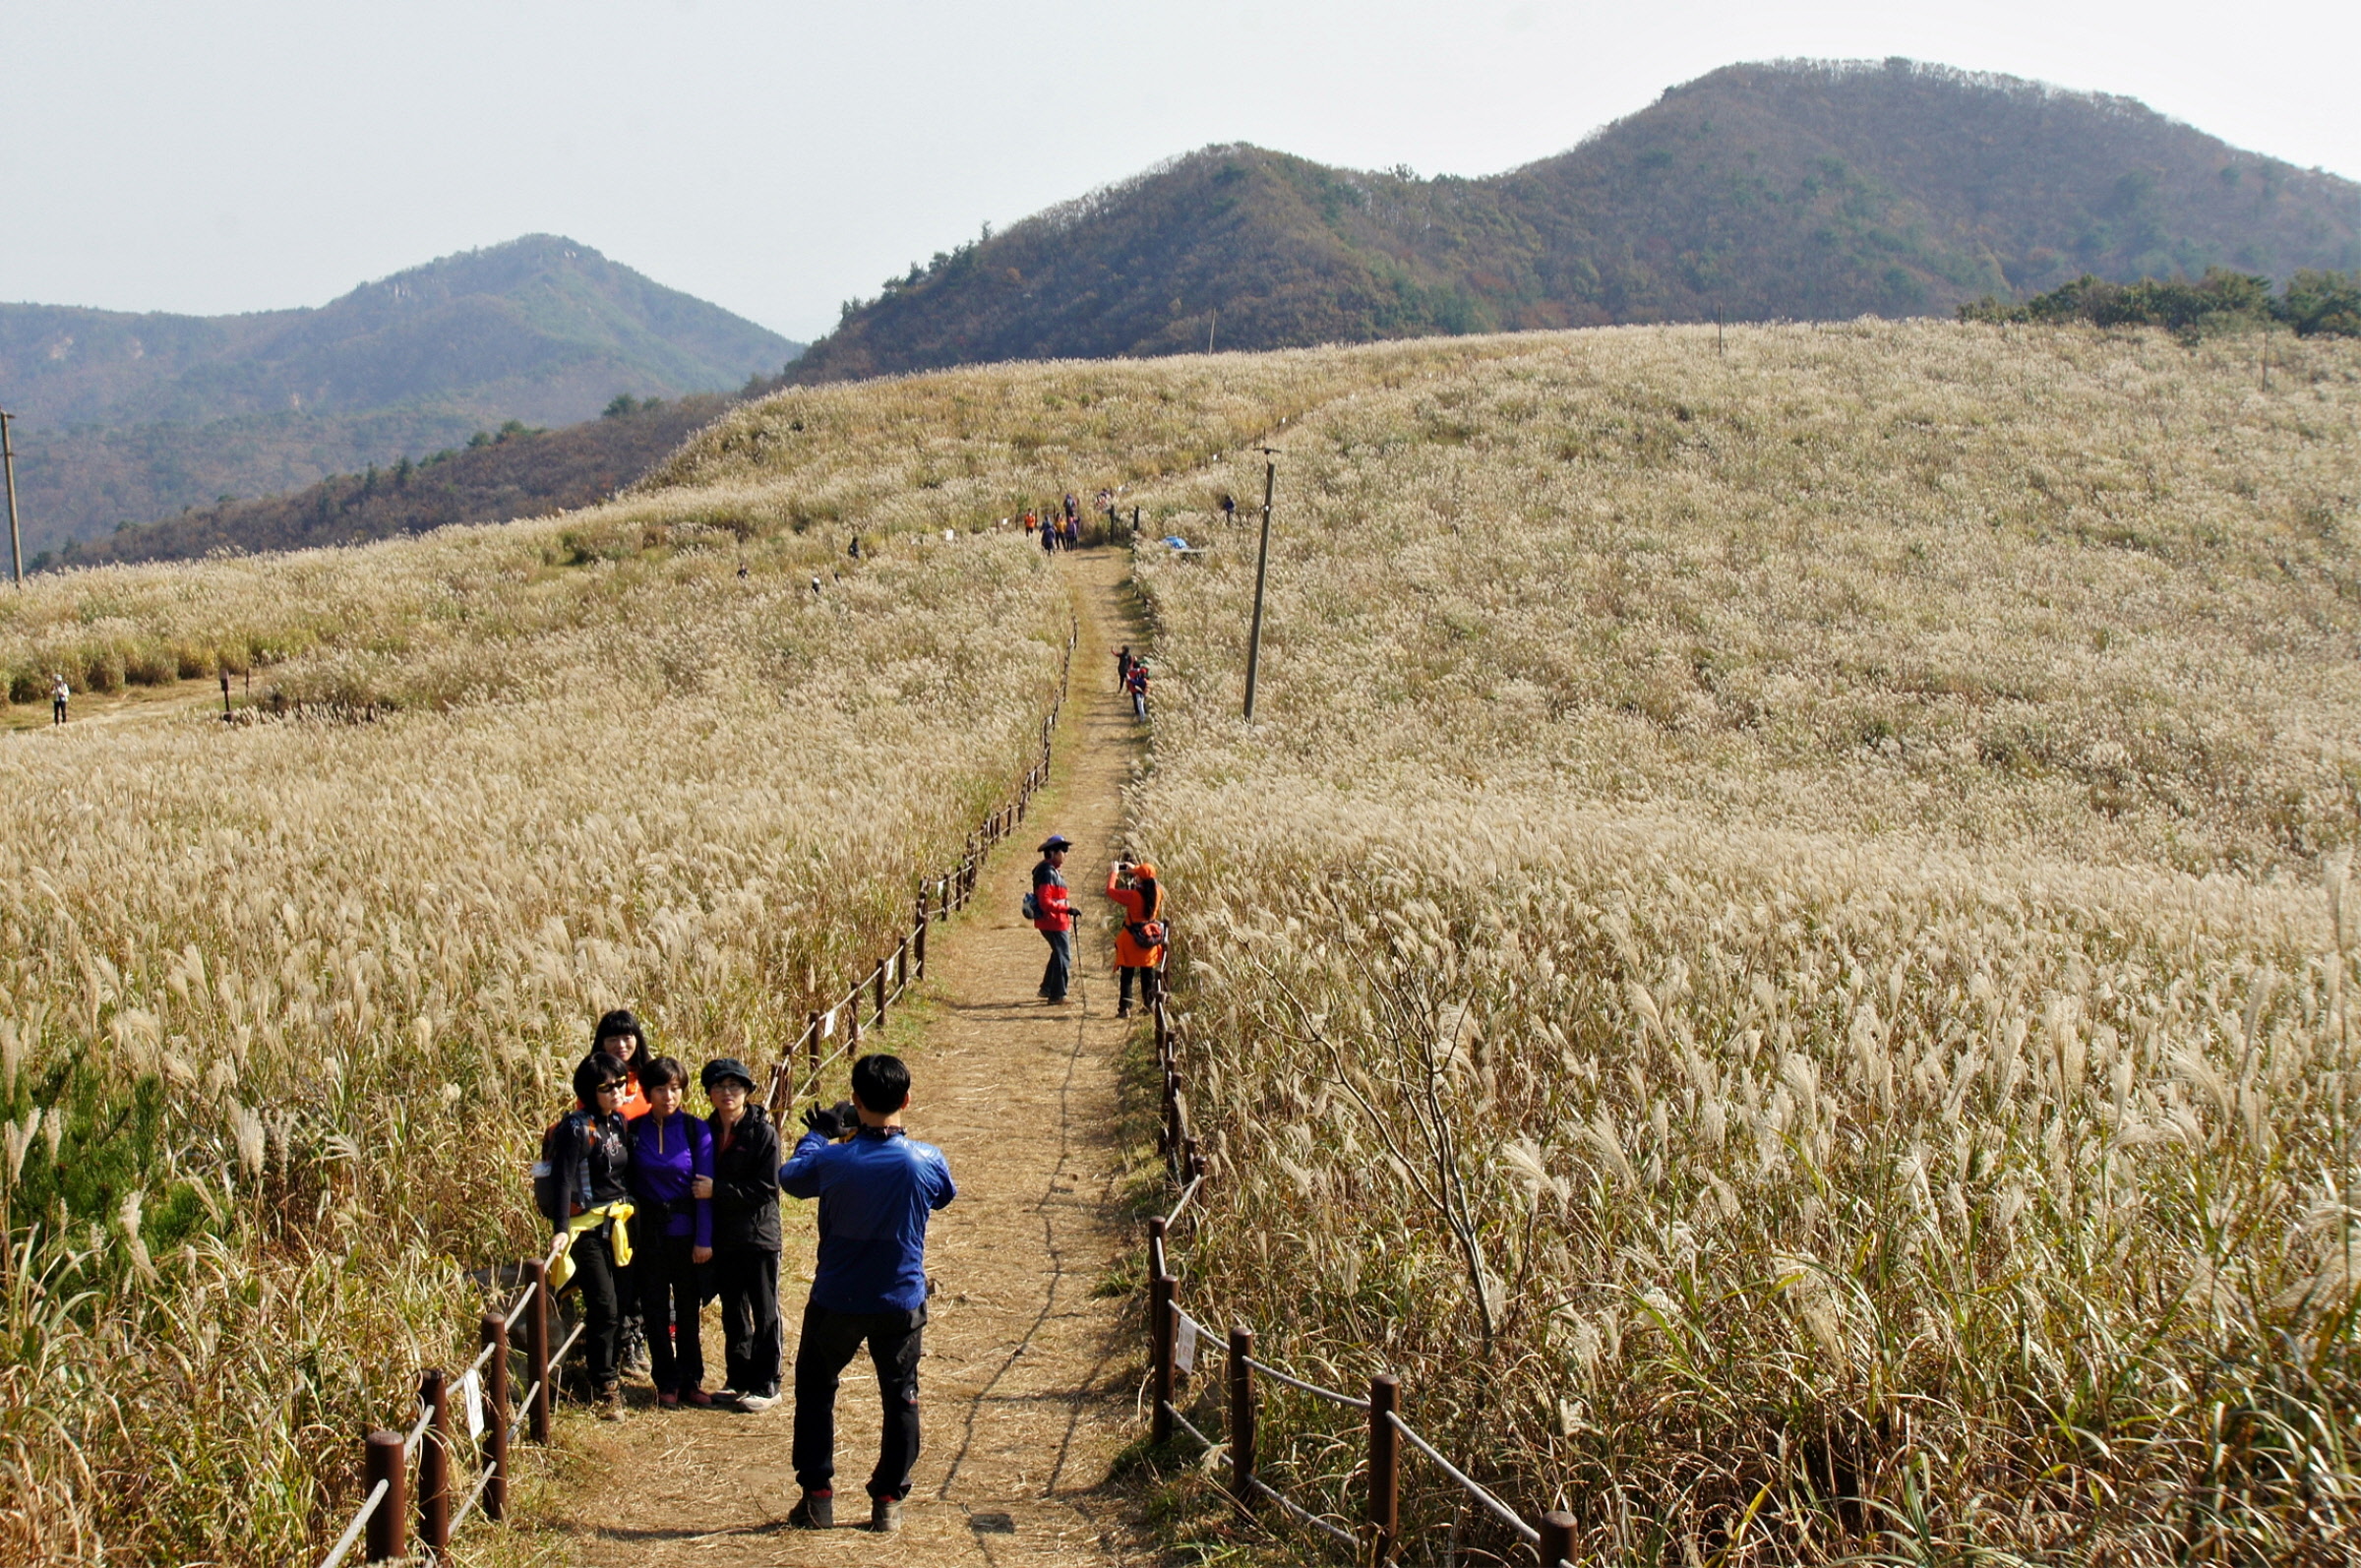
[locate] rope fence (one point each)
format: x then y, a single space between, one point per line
1173 1336
383 1522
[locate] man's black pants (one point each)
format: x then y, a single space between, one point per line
829 1343
670 1301
747 1278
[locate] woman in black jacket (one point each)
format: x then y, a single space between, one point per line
593 1157
744 1189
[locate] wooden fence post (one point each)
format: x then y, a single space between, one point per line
491 1333
918 938
851 1023
1241 1418
1557 1539
434 1463
1385 1466
389 1528
536 1350
1160 1382
1155 1245
884 964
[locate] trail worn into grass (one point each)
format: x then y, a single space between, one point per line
1026 1390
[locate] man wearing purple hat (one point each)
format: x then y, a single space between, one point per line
1053 915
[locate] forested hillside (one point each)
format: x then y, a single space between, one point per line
127 417
499 475
1797 189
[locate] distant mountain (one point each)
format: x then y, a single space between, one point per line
515 472
129 417
1797 189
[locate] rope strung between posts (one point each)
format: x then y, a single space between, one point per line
887 981
1506 1515
1186 1193
1189 1427
352 1531
1301 1512
409 1444
1328 1394
1169 1319
474 1497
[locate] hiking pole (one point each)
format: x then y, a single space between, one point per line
1262 566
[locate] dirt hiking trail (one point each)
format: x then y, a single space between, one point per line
1025 1390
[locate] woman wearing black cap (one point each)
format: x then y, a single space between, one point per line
744 1189
1053 915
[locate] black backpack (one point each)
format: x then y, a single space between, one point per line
549 1195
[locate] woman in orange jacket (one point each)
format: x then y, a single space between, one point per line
1139 946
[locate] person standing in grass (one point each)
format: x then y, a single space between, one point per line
592 1162
673 1239
1136 683
744 1189
57 701
1051 912
1123 668
621 1035
876 1191
1139 946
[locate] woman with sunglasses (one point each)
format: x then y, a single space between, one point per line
594 1161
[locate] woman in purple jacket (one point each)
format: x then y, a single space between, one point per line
673 1233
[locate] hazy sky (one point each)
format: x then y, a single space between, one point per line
777 157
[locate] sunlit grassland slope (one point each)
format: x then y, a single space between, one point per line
1777 948
289 999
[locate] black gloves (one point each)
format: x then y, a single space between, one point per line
841 1120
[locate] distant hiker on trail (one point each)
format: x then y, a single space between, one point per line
673 1232
1123 669
1229 508
591 1159
1048 535
854 549
1051 912
1135 682
1073 508
1139 946
1073 533
876 1190
1032 523
57 701
744 1189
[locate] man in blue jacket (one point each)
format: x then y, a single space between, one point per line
876 1190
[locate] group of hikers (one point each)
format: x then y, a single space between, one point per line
1061 528
1131 679
657 1211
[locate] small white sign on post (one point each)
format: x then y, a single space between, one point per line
1185 1344
471 1400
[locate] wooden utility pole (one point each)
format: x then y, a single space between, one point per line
8 463
1262 566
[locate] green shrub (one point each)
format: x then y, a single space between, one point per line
150 664
102 669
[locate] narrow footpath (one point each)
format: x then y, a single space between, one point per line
1025 1390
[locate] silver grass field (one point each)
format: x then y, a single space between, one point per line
1780 948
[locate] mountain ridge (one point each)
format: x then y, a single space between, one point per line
132 416
1788 189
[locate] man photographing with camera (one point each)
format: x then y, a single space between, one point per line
875 1190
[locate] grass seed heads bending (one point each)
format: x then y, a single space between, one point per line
1779 948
